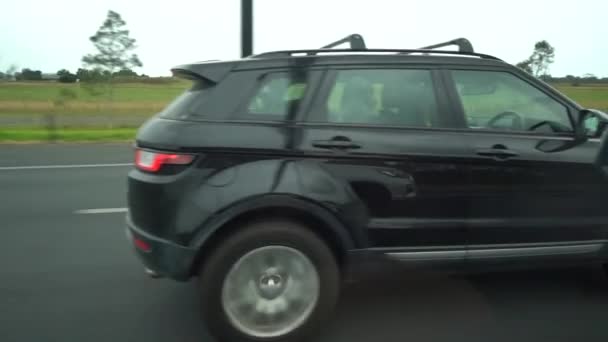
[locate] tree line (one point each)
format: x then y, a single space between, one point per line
115 59
66 76
541 59
576 80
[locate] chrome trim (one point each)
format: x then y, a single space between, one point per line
427 255
501 251
537 244
519 252
152 274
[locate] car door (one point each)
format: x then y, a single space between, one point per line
534 188
381 131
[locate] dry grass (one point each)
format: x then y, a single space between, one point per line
81 107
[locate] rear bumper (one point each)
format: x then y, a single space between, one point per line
165 258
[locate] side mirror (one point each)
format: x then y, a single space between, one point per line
591 123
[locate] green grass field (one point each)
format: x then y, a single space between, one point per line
595 96
38 134
140 98
79 98
123 92
90 113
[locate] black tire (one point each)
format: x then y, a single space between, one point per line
215 268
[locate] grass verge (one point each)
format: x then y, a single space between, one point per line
70 134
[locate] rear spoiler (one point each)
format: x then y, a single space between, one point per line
212 71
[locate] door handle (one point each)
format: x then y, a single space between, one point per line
338 143
498 153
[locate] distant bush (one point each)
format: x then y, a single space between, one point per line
125 73
71 78
29 75
66 77
95 75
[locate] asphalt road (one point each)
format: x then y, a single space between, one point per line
72 277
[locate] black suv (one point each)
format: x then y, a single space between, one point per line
273 174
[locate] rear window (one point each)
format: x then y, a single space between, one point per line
189 103
244 95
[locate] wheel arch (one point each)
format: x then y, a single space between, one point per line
319 219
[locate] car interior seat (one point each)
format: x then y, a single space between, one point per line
358 104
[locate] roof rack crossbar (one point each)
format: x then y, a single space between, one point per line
288 53
357 44
464 45
355 40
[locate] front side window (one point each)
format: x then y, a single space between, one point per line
502 101
403 97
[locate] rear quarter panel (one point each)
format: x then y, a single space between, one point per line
243 166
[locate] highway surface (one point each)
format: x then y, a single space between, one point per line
68 274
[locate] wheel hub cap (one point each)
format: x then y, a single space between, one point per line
270 291
271 285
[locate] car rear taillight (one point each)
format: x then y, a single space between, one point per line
141 244
154 161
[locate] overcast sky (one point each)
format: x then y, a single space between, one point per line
51 35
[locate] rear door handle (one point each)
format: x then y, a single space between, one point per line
336 144
498 153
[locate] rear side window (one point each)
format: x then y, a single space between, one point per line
403 97
276 95
190 102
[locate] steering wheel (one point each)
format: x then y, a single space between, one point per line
517 123
555 127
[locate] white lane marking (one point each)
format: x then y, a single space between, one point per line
73 166
101 211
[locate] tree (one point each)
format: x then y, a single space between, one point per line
590 78
114 46
9 74
66 77
84 75
91 79
12 70
63 72
525 65
573 80
29 75
126 73
114 52
538 63
541 58
64 96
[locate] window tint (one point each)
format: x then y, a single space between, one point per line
275 94
383 96
189 103
500 100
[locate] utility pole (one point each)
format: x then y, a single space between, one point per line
246 28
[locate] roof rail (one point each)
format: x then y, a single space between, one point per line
357 44
288 53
